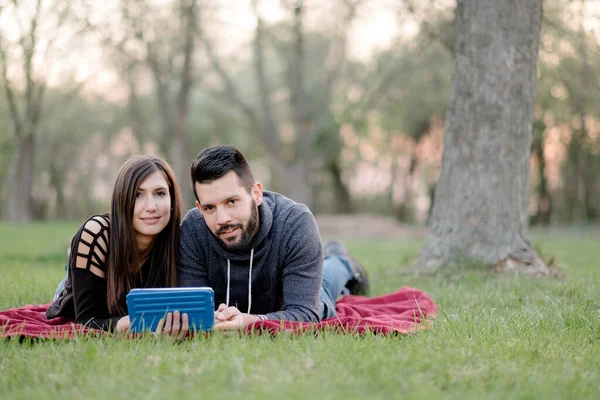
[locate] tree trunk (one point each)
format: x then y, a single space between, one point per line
180 142
341 194
544 206
302 118
405 211
591 199
297 185
133 105
57 181
480 212
21 181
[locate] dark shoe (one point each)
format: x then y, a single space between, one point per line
359 284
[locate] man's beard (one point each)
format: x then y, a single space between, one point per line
247 234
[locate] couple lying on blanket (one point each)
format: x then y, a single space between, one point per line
259 251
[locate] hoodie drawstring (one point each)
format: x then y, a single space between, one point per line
249 281
228 278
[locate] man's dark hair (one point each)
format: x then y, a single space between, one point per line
214 162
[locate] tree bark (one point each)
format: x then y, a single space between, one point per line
25 124
165 108
300 170
343 198
57 180
180 143
544 206
270 128
133 105
480 212
20 208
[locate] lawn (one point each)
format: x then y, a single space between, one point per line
495 336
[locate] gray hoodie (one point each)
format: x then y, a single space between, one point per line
280 274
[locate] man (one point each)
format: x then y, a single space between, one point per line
260 251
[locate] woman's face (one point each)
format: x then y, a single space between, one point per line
152 209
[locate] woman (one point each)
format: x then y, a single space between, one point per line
135 245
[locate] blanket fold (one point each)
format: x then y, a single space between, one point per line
401 312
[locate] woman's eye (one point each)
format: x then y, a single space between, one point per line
161 194
138 195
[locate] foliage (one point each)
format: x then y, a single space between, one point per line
384 113
567 109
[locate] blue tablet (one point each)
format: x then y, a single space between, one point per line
147 306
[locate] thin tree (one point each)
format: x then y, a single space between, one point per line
294 165
157 41
37 27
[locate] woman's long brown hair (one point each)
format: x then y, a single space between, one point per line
123 255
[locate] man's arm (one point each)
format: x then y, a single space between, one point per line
191 272
302 271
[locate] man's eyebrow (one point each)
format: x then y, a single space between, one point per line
225 200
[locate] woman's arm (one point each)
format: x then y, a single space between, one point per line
88 267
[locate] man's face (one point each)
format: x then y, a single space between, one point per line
230 212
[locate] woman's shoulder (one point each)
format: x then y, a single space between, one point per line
89 248
96 224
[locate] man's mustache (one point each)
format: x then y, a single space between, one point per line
228 227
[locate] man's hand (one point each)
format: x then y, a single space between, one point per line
123 324
174 325
231 319
220 309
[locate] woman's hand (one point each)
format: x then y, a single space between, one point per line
123 324
173 325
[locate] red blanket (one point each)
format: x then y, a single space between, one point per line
400 312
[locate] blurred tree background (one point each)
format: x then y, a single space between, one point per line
337 103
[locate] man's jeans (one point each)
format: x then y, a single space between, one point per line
336 273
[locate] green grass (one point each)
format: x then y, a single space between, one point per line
496 336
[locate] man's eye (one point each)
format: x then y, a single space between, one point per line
232 201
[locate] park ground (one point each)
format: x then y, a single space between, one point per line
495 336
